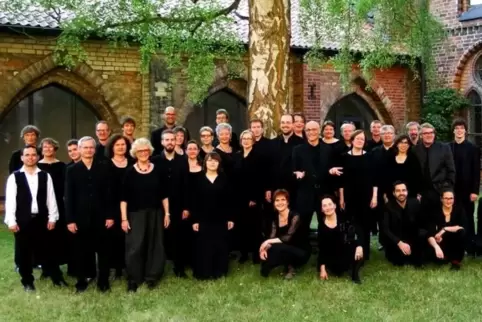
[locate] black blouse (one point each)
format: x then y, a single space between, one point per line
57 173
288 234
457 218
409 172
143 190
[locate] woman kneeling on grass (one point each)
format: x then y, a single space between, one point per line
447 233
339 242
285 247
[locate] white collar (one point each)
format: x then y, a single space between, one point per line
37 170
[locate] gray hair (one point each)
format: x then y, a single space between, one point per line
85 139
343 126
138 143
169 109
29 129
223 126
427 126
387 128
376 122
410 124
206 128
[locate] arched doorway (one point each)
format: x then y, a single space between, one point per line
205 113
352 108
56 111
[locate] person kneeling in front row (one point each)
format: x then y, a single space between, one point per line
405 238
285 247
339 243
447 231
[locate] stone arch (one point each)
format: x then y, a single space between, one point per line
82 80
376 99
462 63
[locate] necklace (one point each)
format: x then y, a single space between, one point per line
144 170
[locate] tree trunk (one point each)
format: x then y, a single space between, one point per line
269 50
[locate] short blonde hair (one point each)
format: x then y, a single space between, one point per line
50 141
246 132
138 143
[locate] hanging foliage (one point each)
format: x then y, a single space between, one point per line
373 34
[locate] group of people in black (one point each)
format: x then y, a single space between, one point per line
128 205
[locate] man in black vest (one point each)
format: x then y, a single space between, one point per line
175 171
30 213
87 196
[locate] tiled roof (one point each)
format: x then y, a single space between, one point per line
39 18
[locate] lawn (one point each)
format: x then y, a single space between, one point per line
387 294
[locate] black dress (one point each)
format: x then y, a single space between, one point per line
357 182
212 210
292 251
62 240
227 162
117 239
337 247
408 172
248 185
452 244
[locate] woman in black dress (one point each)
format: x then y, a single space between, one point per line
404 167
285 247
447 231
56 168
224 149
328 138
117 151
207 137
249 194
181 139
358 189
145 214
212 219
339 243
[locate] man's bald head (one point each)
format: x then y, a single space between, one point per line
312 125
170 116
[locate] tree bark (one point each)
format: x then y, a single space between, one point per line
269 50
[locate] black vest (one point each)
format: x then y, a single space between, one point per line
24 197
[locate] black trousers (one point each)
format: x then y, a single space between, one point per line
395 256
34 240
362 215
250 231
463 199
211 251
117 242
90 241
306 211
181 235
344 262
145 254
453 246
284 255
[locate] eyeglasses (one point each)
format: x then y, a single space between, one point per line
144 151
428 133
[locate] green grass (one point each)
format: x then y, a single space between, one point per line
387 294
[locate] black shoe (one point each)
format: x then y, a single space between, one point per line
151 285
59 282
180 273
29 287
103 287
81 286
356 279
132 287
256 259
455 267
243 259
118 274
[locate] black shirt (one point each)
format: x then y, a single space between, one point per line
143 190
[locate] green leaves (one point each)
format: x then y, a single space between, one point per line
439 108
374 34
189 36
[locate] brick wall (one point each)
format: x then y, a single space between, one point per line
394 97
110 80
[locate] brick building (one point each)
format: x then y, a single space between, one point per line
109 85
459 58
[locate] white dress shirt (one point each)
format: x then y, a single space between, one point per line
32 180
